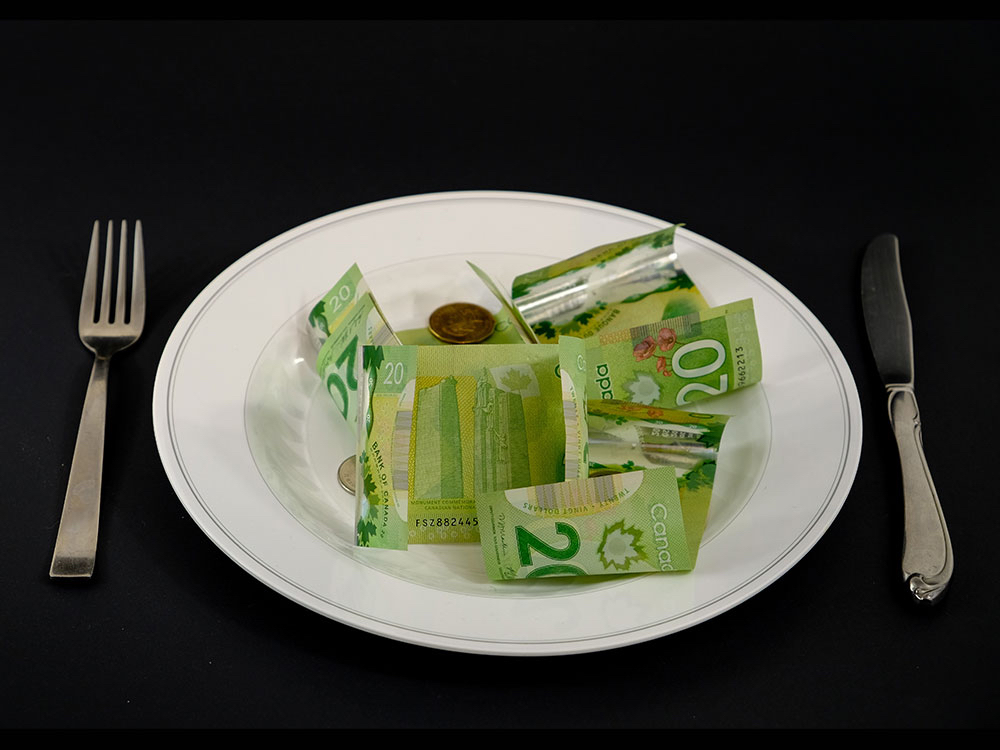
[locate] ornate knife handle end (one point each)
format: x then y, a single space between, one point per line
927 553
927 590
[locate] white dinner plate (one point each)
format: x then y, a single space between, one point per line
250 442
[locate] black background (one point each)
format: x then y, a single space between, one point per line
792 143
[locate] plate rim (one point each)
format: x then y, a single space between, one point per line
738 593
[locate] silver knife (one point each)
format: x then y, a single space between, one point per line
927 555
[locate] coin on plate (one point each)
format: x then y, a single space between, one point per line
461 323
346 474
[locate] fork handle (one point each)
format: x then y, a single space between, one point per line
927 554
76 542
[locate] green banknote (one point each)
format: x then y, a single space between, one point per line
336 303
506 331
626 437
632 437
677 361
619 285
441 425
338 362
619 523
511 312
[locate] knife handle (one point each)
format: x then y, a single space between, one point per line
927 555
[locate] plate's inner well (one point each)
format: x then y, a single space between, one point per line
297 442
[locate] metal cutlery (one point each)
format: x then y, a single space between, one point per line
927 553
104 331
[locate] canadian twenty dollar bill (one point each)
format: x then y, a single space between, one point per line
626 437
632 437
509 310
335 304
612 286
338 362
346 318
677 361
619 523
440 425
506 331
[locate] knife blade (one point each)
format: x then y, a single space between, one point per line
927 554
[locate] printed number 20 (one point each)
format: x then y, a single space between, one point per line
697 372
394 372
526 541
335 383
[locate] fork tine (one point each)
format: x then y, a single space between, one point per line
122 259
106 285
138 313
89 297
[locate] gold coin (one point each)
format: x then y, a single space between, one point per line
346 474
461 323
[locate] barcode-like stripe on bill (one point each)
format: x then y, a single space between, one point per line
401 450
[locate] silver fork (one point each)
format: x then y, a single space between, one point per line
104 335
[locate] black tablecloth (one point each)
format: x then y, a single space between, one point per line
792 143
